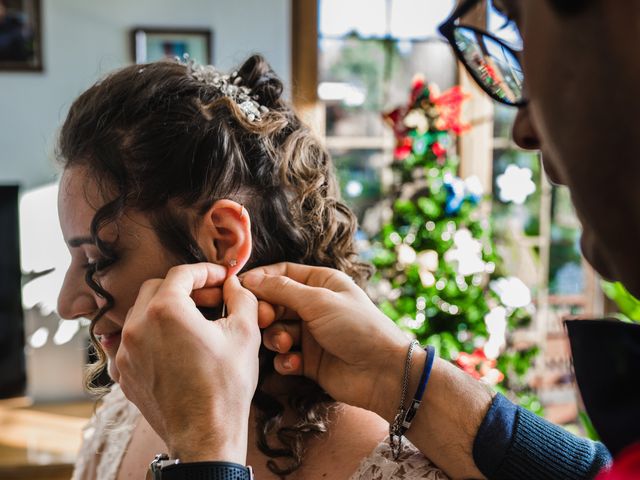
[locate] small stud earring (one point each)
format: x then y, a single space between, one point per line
233 262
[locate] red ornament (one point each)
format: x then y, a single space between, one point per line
395 119
417 87
438 150
403 148
469 362
479 366
626 465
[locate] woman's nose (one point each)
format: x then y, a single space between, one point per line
76 299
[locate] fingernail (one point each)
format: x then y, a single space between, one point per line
251 280
276 345
287 363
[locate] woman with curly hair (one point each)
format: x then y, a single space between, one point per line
173 163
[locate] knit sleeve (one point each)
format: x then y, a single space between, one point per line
512 443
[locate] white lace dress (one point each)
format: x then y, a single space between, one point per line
109 432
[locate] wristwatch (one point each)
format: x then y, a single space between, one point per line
165 468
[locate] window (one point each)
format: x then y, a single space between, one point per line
366 63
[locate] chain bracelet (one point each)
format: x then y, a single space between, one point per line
395 428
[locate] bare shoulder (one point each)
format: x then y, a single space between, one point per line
352 435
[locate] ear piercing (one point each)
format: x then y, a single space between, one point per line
233 262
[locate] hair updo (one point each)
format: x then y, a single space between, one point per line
159 141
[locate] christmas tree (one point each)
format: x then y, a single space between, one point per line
438 272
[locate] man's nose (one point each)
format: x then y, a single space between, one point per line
526 136
524 132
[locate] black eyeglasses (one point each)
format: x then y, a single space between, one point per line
493 64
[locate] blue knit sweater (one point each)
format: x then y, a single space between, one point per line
513 443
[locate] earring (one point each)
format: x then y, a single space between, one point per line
233 262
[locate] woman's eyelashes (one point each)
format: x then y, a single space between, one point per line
96 265
90 268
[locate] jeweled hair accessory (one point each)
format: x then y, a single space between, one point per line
229 85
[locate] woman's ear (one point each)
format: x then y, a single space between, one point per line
224 235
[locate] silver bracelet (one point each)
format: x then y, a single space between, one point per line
395 428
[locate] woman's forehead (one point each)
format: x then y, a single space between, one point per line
79 198
78 201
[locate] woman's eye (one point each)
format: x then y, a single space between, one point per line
95 265
90 266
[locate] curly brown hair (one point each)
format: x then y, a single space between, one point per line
154 137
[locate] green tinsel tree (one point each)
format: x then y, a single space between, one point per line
438 272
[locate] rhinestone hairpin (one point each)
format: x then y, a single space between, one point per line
229 85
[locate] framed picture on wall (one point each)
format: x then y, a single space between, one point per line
20 35
151 44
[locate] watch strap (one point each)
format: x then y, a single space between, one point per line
207 471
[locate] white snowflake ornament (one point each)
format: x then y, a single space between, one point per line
515 184
512 292
466 253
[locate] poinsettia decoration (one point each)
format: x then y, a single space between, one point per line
427 113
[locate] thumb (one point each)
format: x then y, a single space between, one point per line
241 303
278 290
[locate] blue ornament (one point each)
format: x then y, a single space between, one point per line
456 193
473 198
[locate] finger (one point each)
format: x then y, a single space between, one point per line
184 279
306 274
240 302
320 277
288 364
266 314
282 336
207 297
147 290
279 289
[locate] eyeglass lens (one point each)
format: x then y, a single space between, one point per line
494 65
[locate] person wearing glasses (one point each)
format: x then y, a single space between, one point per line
574 84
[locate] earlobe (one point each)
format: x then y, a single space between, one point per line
225 235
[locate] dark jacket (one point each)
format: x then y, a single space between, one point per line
513 443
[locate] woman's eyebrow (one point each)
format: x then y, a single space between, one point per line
78 241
